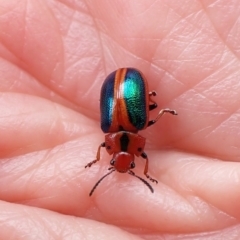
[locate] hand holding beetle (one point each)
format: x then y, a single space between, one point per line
55 56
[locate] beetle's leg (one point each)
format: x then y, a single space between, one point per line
97 156
166 110
154 104
144 155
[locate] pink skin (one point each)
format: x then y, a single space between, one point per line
54 57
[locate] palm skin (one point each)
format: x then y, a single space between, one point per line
54 58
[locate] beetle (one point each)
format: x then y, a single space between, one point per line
125 102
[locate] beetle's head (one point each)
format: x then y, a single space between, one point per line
123 162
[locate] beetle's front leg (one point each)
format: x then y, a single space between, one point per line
144 155
97 156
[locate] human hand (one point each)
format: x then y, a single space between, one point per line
54 58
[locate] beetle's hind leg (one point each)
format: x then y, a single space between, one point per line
97 156
166 110
153 104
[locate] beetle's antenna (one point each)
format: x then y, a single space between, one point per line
97 183
143 180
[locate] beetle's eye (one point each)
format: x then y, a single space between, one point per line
112 162
132 165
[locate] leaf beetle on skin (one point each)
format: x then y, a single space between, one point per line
125 103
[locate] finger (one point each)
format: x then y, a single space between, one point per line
30 124
28 223
194 194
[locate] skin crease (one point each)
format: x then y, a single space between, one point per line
54 58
